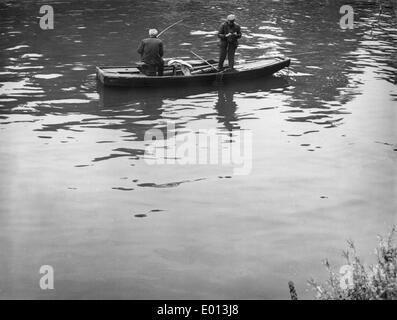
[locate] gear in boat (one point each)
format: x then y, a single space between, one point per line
178 67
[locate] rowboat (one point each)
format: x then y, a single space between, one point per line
203 73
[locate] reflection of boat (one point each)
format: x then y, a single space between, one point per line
203 74
140 110
119 98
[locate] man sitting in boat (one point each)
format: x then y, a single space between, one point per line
229 33
151 51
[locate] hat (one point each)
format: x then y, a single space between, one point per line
153 32
231 17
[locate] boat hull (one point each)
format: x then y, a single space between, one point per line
130 77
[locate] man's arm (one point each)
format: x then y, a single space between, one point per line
238 32
161 49
221 33
140 48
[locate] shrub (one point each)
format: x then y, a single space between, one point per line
377 282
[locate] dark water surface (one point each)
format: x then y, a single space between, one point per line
76 193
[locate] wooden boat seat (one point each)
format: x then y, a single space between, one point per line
123 70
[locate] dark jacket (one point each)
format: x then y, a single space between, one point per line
151 51
225 29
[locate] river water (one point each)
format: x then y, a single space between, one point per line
77 194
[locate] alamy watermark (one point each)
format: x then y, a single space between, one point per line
47 20
347 20
346 279
47 279
201 147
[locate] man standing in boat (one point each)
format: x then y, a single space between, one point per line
151 51
229 33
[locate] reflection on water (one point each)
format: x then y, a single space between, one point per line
74 180
226 108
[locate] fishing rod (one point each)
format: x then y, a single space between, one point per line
279 56
293 54
169 27
298 54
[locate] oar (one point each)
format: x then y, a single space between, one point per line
201 58
169 27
